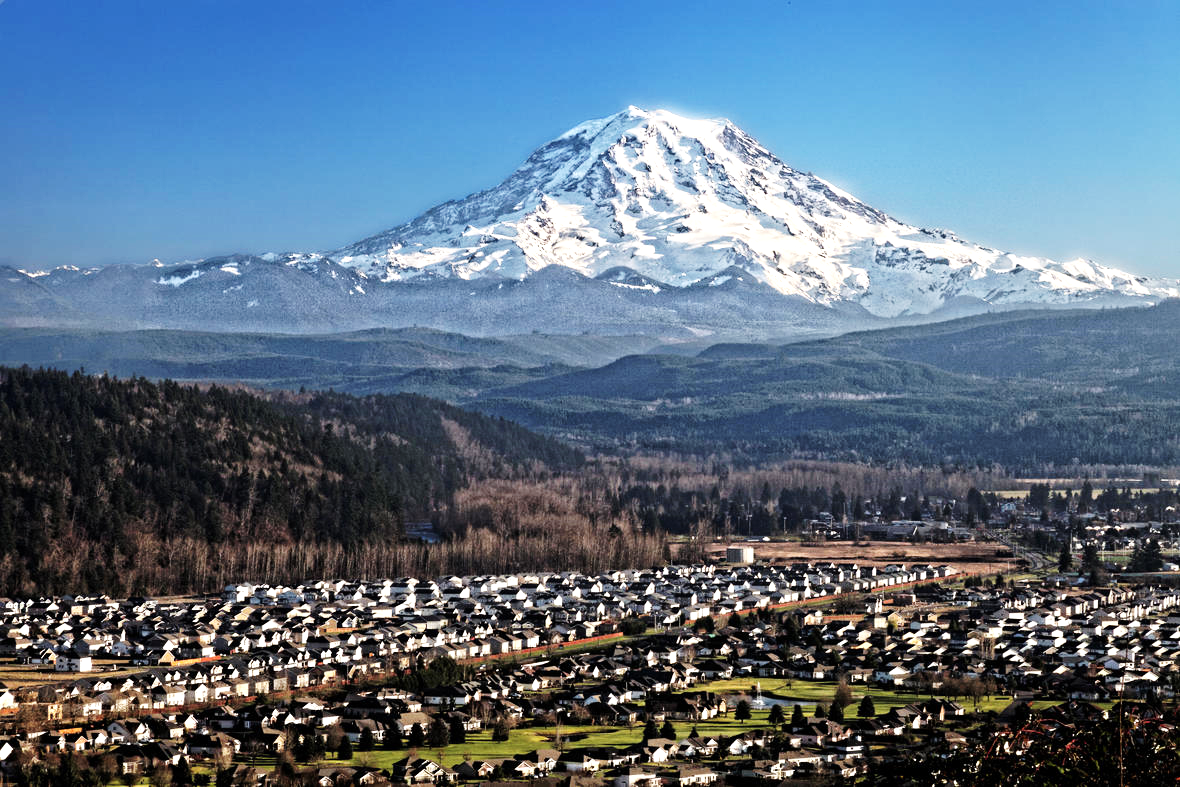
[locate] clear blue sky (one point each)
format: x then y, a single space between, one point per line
184 129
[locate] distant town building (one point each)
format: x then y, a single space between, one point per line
739 554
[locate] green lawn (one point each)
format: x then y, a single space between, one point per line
480 746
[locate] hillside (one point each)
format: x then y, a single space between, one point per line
97 473
1022 389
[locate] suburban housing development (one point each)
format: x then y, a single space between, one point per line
261 668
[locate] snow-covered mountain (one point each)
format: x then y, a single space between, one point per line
639 223
683 202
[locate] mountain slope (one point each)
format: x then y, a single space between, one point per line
642 223
679 202
1026 390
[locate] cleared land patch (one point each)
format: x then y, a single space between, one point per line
971 557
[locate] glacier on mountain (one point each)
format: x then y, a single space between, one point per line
679 201
643 223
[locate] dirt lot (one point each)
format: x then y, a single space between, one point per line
19 676
970 558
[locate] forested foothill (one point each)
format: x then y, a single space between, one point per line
137 486
1029 390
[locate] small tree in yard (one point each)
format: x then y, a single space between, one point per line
649 730
160 776
668 731
742 711
367 742
775 717
417 736
345 750
439 735
866 707
458 731
820 711
797 718
836 713
335 737
285 768
182 772
843 696
633 626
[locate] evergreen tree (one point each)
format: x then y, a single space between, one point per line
1135 564
867 708
345 750
1065 557
417 736
650 730
798 719
458 731
742 711
775 717
837 712
791 631
668 731
302 748
439 734
1092 564
820 711
1146 557
366 742
182 772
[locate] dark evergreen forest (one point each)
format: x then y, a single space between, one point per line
97 472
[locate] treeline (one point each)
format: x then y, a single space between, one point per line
135 486
1153 504
713 498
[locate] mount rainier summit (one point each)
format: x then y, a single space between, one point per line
641 222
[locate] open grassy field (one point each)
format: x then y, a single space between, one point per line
972 557
19 676
480 746
810 692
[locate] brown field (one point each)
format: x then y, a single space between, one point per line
20 676
971 558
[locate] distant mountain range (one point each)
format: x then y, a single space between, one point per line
1027 389
642 224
